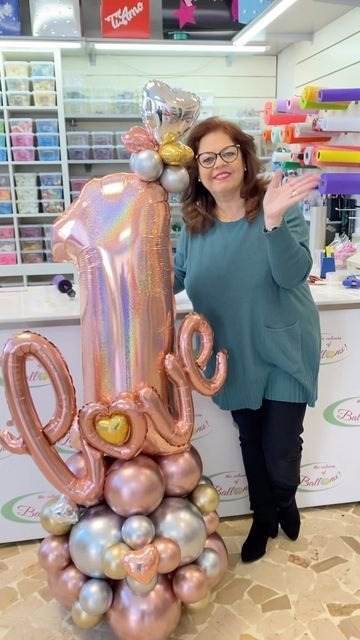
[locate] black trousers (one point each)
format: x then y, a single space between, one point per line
271 445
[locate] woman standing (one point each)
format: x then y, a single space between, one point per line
243 260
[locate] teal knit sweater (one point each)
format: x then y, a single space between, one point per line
251 286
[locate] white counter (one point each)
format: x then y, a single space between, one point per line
45 304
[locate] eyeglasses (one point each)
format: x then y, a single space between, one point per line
228 154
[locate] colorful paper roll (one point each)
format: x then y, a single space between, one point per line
275 134
337 123
338 157
280 118
306 130
340 183
338 95
267 135
290 165
281 104
309 100
291 138
293 106
281 156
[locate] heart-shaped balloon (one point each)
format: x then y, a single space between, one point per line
168 111
142 565
138 139
114 429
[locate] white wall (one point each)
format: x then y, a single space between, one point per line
246 82
331 60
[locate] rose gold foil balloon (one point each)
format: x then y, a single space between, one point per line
182 472
170 554
36 438
190 583
142 564
138 139
153 616
117 233
211 522
134 487
216 543
193 324
65 585
53 554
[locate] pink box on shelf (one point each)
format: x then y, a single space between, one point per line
6 232
7 258
22 139
23 154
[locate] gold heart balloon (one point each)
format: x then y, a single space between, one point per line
168 111
175 153
114 429
142 565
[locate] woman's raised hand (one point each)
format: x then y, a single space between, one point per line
280 197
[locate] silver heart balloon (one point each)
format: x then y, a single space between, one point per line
168 113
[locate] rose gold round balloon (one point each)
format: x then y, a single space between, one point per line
216 542
182 472
65 585
135 486
153 616
190 583
170 554
76 464
211 522
53 554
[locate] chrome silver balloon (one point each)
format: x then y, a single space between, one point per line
141 589
96 597
147 165
206 480
179 520
174 179
168 113
98 529
210 561
138 531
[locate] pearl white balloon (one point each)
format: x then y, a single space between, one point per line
141 589
174 179
98 529
179 520
96 597
138 531
147 165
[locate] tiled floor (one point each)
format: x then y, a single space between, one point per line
306 590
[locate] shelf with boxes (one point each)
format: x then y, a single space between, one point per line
34 185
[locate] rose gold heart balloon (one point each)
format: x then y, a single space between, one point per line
138 139
142 565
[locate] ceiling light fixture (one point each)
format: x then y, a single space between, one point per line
249 33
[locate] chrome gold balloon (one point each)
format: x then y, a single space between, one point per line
205 498
112 561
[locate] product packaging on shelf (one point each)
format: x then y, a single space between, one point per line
42 83
27 194
102 138
53 206
103 152
54 18
22 139
25 179
42 68
18 98
2 140
21 125
125 19
46 125
77 138
80 152
5 208
18 83
9 18
16 68
51 179
3 155
23 154
49 154
44 98
47 139
51 193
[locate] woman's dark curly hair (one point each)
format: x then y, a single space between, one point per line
198 205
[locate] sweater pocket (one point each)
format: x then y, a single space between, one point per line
282 349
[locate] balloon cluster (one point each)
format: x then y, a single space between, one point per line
157 153
148 547
133 531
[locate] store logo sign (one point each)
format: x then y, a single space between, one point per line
35 374
202 428
344 413
122 17
230 485
333 349
26 509
319 476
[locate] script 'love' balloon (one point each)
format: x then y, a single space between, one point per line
168 111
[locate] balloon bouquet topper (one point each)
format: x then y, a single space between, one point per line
133 530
